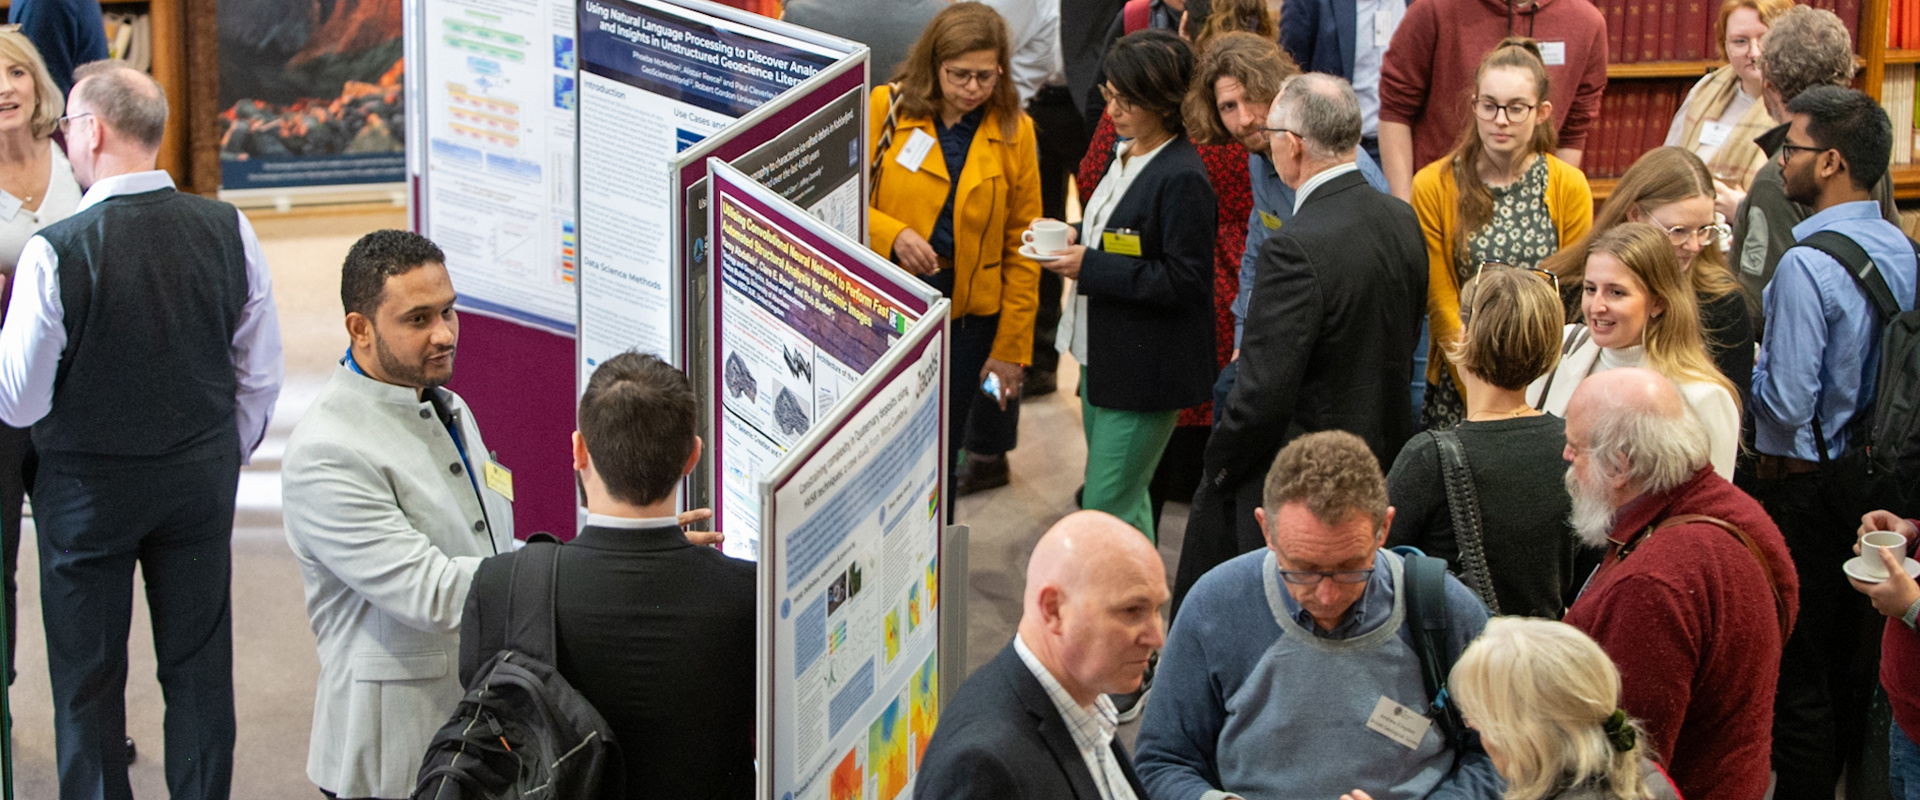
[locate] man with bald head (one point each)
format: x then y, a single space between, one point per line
1291 671
1331 324
1697 590
142 346
1035 722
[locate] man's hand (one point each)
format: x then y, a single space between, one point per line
1891 596
910 250
1883 520
1727 199
702 538
1012 376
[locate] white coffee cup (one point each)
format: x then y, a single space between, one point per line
1046 236
1870 547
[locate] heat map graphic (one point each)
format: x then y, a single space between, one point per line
887 743
847 779
925 688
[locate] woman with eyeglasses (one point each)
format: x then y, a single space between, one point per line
1723 113
1639 310
1501 196
1140 310
1507 537
37 189
957 179
1670 188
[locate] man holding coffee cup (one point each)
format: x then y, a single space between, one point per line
1885 540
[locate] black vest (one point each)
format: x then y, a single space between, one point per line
151 289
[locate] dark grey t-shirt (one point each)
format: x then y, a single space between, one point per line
1518 476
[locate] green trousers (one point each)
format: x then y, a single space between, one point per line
1123 449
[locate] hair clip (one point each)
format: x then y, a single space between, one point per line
1619 733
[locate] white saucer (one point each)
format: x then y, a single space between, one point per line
1854 571
1028 251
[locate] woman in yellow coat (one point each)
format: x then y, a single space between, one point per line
951 110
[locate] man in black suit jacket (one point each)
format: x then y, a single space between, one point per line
1340 291
655 632
1035 722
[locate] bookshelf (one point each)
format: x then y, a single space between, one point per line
1870 22
170 70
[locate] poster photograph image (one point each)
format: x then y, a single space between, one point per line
855 671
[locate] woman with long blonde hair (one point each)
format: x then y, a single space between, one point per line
1546 701
1639 311
1500 196
1672 189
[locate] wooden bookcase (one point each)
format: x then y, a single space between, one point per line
170 70
1872 60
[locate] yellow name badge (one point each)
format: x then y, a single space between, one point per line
1272 222
1120 243
499 479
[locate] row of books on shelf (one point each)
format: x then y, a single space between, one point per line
1640 31
1634 118
1903 24
1896 96
130 38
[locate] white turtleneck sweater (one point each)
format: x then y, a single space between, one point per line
1711 402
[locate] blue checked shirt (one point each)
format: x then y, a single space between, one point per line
1092 729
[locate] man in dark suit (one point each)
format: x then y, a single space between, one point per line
1329 36
1329 343
655 632
1035 722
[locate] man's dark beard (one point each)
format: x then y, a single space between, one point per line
400 372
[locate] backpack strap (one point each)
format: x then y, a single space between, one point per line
1859 265
1136 15
1766 565
530 602
1464 506
1426 588
1576 336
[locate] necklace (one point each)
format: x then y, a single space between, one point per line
1508 414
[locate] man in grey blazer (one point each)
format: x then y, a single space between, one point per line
391 500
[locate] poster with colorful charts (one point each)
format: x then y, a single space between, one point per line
852 518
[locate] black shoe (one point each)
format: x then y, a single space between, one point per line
1132 703
979 473
1038 383
132 752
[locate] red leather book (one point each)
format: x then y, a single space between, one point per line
1694 31
1629 51
1635 130
1615 12
1650 31
1669 30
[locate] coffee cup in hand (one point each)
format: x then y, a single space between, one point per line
1871 545
1047 237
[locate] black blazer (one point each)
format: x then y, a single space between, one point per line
1338 296
1001 738
1150 318
658 635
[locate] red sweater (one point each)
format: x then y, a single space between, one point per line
1690 621
1427 78
1900 671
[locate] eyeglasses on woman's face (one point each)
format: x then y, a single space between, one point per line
969 77
1114 98
1681 235
1489 110
1498 265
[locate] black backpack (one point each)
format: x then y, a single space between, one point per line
1889 462
521 731
1425 580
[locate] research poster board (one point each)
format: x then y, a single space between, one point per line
494 158
851 584
799 313
656 78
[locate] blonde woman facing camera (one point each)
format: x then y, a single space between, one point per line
1546 701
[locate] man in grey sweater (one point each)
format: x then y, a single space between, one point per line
1291 672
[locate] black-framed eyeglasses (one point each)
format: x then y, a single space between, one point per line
1490 111
966 77
1680 234
1113 98
68 119
1544 273
1786 150
1299 577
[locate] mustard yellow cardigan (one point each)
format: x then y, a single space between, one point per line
1436 198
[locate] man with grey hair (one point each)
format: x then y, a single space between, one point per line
1342 290
142 346
1805 47
1697 591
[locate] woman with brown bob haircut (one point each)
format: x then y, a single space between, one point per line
954 216
1508 539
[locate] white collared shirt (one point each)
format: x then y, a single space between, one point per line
1092 728
1370 52
1072 335
1319 179
35 334
630 523
1034 26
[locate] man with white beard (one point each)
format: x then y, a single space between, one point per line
1697 591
